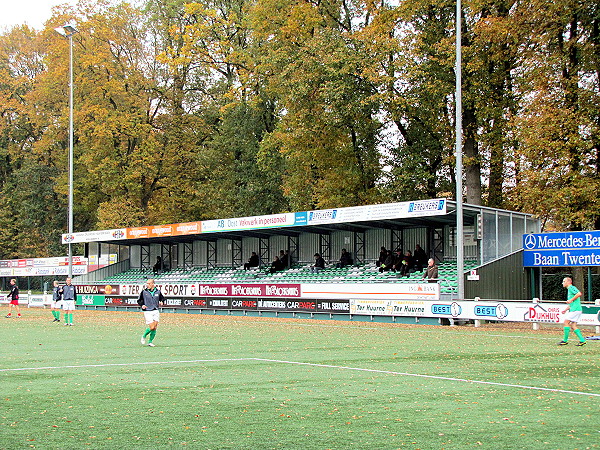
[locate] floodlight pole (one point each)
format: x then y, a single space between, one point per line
460 266
68 31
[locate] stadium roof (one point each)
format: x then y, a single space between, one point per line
418 213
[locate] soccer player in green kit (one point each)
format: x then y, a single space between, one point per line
573 312
150 300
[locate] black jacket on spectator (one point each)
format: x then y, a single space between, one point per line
345 259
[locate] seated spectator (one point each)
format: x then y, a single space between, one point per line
407 264
284 258
388 262
276 265
158 267
253 261
431 273
420 258
382 255
345 259
318 265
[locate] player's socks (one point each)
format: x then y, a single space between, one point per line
566 331
579 335
70 318
65 318
147 332
152 334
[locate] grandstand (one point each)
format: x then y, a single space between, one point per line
299 273
202 262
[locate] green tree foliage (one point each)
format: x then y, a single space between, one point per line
329 132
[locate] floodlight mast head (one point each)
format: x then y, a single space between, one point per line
67 30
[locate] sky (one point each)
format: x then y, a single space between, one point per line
31 12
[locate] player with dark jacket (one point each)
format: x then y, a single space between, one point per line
150 300
69 296
14 298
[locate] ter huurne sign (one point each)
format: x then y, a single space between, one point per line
576 248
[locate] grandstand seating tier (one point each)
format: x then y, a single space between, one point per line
368 273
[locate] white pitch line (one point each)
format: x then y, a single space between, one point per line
436 377
298 363
82 366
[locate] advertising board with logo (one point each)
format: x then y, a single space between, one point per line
390 307
471 310
96 289
286 305
94 236
247 223
385 211
187 290
575 248
378 212
90 300
333 306
56 266
120 301
405 291
158 231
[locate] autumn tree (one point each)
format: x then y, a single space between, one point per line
558 126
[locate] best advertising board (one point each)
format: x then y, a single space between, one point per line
568 249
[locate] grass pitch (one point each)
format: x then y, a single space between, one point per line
247 383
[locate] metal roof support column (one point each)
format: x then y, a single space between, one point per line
398 240
236 253
264 249
145 257
211 254
325 247
359 247
188 255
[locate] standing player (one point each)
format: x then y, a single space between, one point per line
56 302
150 300
69 294
574 312
14 298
